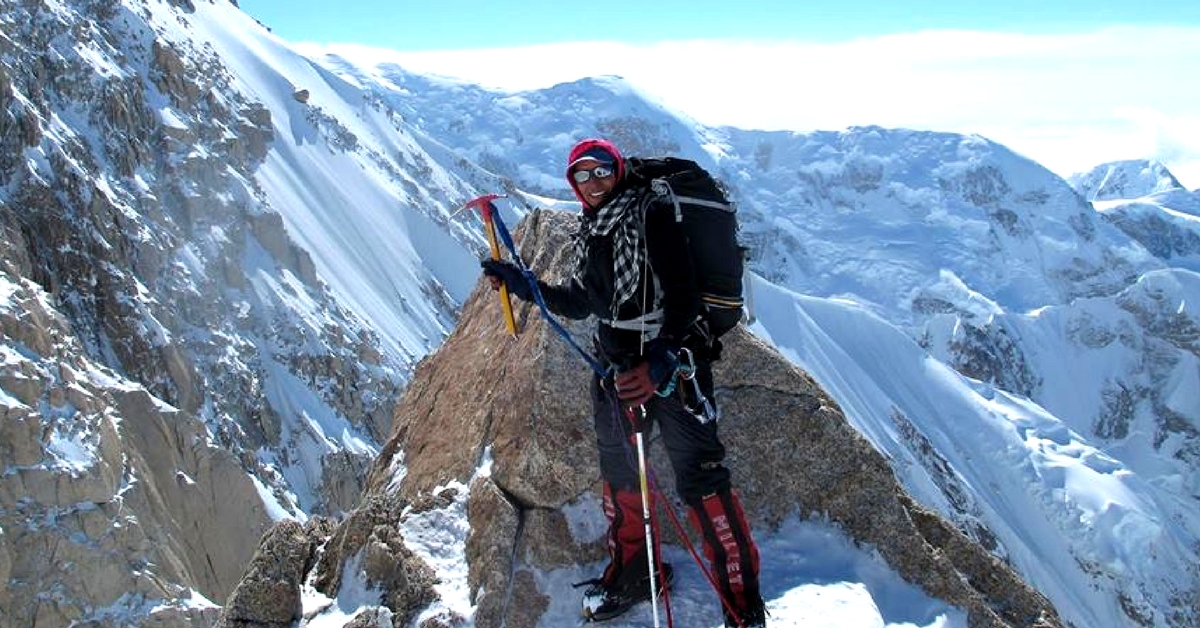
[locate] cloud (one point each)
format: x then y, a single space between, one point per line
1170 139
1069 101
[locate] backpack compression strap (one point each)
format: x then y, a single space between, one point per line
663 189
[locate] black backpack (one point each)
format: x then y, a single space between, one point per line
709 222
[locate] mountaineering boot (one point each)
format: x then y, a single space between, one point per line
753 615
732 556
602 601
626 579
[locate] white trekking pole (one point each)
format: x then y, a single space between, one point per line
638 416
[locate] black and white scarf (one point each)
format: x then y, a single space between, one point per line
621 217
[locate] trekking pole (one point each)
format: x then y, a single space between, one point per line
487 209
637 416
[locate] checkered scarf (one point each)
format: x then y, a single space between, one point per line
621 217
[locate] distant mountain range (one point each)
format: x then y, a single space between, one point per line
212 237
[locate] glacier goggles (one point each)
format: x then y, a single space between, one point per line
599 172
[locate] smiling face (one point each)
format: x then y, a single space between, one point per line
596 190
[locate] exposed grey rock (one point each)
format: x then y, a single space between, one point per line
1164 222
124 494
171 75
490 549
372 618
5 560
366 546
369 535
269 595
985 350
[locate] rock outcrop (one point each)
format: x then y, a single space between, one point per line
365 546
138 338
113 504
518 405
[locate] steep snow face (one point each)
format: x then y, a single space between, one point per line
1073 506
1167 224
914 224
355 189
1124 180
1130 369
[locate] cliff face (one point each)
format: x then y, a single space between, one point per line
147 363
137 208
111 501
508 418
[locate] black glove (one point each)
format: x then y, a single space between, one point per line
637 385
512 277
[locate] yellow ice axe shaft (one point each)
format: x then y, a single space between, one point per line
505 300
487 209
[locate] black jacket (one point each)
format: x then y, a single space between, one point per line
591 292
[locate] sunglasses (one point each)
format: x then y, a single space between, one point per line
599 172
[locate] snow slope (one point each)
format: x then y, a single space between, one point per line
1060 505
378 227
870 244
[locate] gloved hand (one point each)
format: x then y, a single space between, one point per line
500 271
637 385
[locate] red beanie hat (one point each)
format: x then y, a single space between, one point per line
600 150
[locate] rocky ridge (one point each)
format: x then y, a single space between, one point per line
791 449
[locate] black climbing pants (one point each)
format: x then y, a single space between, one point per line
695 451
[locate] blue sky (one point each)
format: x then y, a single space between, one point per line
461 24
1069 83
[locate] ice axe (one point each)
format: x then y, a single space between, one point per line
488 209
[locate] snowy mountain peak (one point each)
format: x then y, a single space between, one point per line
251 251
1124 180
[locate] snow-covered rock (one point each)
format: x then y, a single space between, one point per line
1124 180
264 273
117 508
227 257
1166 223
